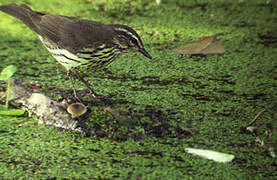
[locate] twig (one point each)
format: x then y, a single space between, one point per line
255 118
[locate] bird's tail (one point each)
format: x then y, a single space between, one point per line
25 14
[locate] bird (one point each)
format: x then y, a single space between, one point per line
78 44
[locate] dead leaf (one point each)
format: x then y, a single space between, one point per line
204 46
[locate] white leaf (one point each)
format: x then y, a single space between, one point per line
213 155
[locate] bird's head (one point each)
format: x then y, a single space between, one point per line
129 39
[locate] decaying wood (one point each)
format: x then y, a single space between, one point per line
46 110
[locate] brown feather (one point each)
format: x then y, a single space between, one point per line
24 13
66 32
74 34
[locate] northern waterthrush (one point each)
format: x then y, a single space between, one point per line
78 44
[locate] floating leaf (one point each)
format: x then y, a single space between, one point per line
8 72
204 46
213 155
12 112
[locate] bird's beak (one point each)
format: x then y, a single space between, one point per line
145 53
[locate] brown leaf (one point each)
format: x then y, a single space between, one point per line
204 46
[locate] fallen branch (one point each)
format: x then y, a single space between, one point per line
46 110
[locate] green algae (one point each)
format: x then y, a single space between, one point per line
163 105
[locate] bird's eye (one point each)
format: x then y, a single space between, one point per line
134 41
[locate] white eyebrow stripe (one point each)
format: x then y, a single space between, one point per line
132 35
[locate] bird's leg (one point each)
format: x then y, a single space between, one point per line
92 93
69 73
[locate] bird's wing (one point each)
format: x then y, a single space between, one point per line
74 34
